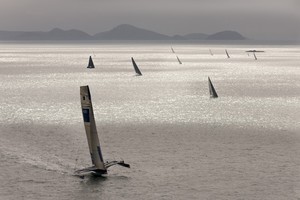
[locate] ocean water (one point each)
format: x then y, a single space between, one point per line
180 143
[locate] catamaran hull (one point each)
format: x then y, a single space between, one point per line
90 172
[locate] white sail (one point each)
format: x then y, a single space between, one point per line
90 129
99 166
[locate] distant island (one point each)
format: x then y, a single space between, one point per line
121 32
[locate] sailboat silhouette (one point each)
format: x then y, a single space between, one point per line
136 69
179 61
212 91
91 63
227 53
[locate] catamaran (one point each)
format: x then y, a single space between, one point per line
254 51
212 91
99 167
136 69
91 63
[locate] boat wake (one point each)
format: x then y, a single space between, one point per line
17 157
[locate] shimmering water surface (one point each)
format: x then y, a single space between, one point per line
180 143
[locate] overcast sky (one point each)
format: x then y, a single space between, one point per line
257 19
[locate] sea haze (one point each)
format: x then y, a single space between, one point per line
180 143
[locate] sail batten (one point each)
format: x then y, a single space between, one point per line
212 91
136 68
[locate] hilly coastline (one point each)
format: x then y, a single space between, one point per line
121 32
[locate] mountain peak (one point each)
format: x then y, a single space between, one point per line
56 30
124 26
129 32
226 35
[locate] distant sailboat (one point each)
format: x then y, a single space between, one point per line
136 69
99 166
172 50
227 53
212 91
254 56
91 63
179 60
211 52
254 51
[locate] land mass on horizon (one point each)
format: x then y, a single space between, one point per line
121 32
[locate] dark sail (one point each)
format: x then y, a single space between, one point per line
91 64
178 60
137 71
254 56
210 52
212 91
172 50
227 53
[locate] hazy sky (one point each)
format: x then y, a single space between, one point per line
260 19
